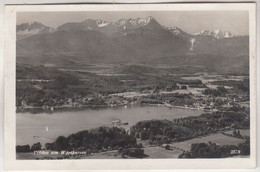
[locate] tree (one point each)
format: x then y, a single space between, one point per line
107 142
245 147
60 144
142 135
234 132
36 146
23 148
184 87
238 133
49 146
136 135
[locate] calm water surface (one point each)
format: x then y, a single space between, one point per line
44 127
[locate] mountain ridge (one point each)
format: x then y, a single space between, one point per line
124 23
125 41
25 30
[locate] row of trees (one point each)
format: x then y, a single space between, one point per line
102 138
212 122
220 91
27 148
239 86
160 131
175 99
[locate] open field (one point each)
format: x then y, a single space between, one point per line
218 138
31 155
129 94
242 132
194 91
160 152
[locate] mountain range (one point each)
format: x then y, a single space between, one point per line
140 40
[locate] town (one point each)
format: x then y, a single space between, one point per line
208 92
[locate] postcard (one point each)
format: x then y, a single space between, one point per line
130 86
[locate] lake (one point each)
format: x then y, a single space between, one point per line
44 127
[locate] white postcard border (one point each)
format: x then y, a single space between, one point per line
10 161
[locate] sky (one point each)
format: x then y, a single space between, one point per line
237 22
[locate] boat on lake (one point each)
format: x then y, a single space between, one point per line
124 123
119 122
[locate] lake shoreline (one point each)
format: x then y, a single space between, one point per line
87 118
82 107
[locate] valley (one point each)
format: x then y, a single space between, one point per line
131 88
128 94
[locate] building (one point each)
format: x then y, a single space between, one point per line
166 146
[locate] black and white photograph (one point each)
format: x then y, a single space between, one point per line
138 84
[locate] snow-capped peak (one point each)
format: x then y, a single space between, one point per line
218 34
122 22
102 23
228 34
138 21
174 30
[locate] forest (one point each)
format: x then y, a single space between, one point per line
158 132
